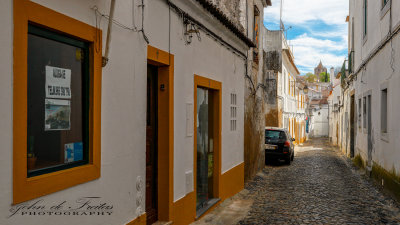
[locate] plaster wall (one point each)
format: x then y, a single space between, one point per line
319 121
205 58
124 103
123 118
333 101
378 74
6 98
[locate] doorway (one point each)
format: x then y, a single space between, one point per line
205 150
151 145
352 125
369 127
207 158
160 75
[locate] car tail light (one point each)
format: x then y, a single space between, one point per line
287 144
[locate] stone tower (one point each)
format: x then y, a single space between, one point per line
319 69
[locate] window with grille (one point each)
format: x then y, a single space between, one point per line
233 112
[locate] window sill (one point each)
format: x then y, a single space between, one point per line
385 137
34 187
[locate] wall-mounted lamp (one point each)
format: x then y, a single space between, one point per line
190 29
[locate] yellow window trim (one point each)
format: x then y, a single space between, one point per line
25 188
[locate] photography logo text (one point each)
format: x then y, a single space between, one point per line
85 206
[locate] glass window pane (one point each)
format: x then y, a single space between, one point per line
57 106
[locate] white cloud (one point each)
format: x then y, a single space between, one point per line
306 58
316 43
331 12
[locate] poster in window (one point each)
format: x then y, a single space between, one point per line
57 115
73 152
58 82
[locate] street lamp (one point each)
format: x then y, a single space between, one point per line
305 89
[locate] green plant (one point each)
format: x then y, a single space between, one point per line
324 77
389 179
310 77
358 161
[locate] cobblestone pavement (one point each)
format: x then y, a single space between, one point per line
319 187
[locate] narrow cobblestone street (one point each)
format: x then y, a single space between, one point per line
319 187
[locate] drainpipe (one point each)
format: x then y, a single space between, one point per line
110 20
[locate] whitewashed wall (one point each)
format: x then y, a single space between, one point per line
124 103
205 58
377 74
319 122
123 118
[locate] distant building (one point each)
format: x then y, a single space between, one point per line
285 99
320 69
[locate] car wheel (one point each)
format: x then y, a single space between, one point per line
287 161
292 158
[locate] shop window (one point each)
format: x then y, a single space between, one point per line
58 98
57 86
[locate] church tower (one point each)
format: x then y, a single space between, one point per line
320 69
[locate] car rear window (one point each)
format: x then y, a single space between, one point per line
274 134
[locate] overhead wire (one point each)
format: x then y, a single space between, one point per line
96 10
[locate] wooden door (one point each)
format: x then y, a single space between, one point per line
151 146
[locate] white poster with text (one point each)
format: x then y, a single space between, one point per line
58 82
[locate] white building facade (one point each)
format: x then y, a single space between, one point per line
371 88
285 105
136 136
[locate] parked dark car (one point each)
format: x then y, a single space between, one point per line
278 144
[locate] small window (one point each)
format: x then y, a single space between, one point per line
359 113
256 26
284 82
365 17
256 33
384 111
233 112
365 112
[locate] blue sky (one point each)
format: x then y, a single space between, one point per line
319 30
